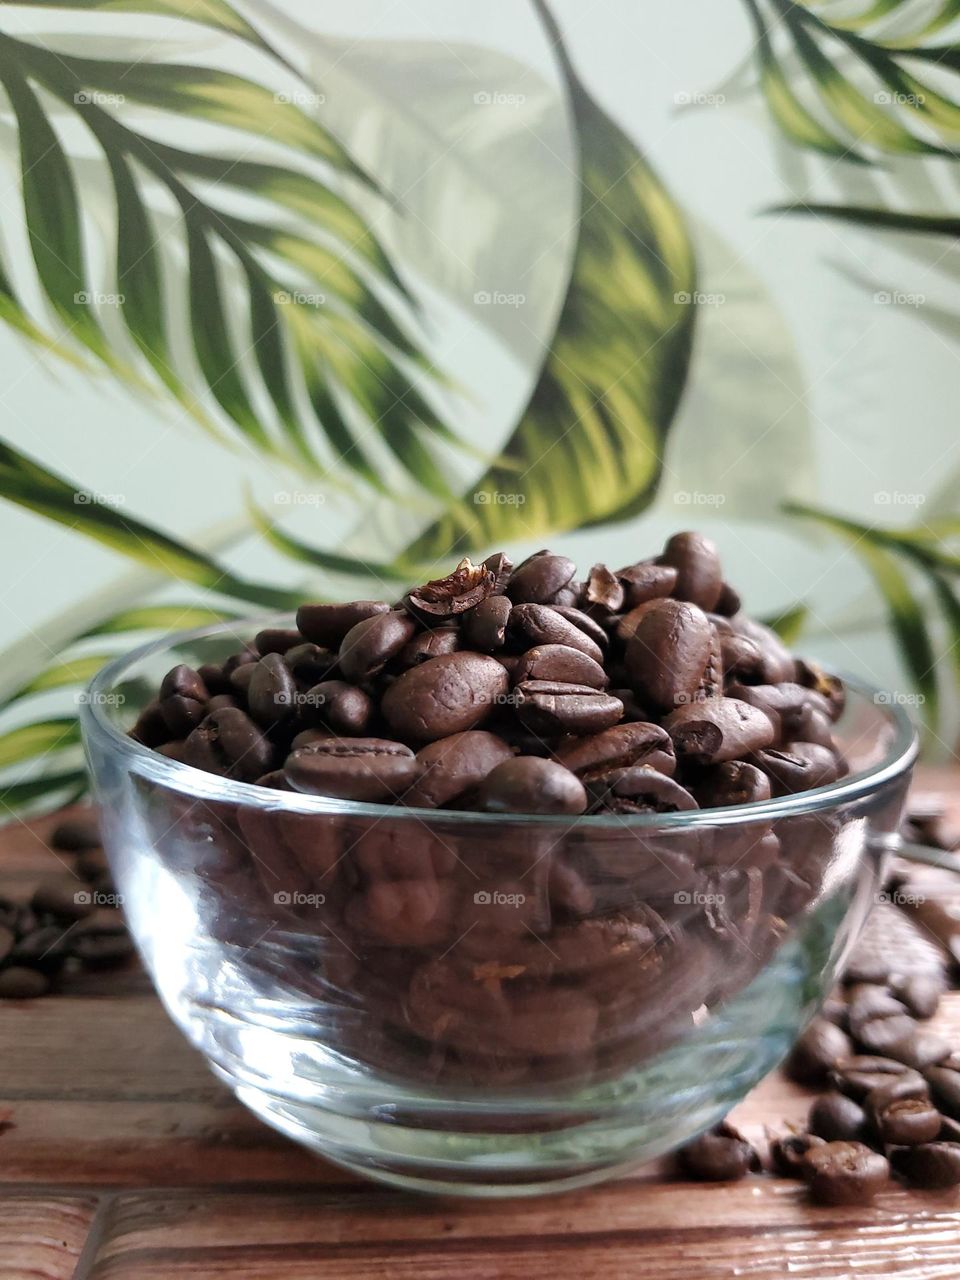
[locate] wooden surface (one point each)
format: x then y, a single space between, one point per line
122 1158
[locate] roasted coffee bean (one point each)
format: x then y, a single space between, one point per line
798 768
625 627
884 1035
550 707
740 656
539 579
182 681
699 576
218 702
538 624
309 664
719 1155
405 913
18 983
485 626
327 624
528 784
272 692
240 679
176 750
180 714
340 706
730 783
785 704
43 948
898 1088
668 654
920 1049
452 766
646 581
816 1052
935 1166
827 686
869 1000
778 663
558 662
7 939
728 602
426 645
604 590
619 747
501 566
718 729
908 1121
277 640
368 647
787 1154
845 1173
103 950
150 728
944 1084
638 789
65 897
228 743
920 993
583 622
370 769
77 833
859 1075
444 696
570 893
454 594
837 1118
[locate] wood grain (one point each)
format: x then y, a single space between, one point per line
123 1158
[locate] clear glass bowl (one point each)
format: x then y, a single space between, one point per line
482 1003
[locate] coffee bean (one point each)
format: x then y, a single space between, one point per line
908 1121
740 656
859 1075
327 624
646 581
272 692
340 706
527 784
18 983
619 747
426 645
76 834
558 662
803 766
699 576
485 626
370 644
537 624
7 938
444 696
638 789
454 765
370 769
718 729
720 1155
728 603
182 681
826 685
150 728
778 663
944 1084
550 707
539 579
43 948
65 897
816 1052
919 992
668 654
933 1166
604 590
309 664
885 1035
787 1154
277 640
837 1118
845 1173
501 566
454 594
730 783
920 1049
228 743
404 913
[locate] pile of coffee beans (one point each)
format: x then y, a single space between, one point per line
72 921
889 1105
644 689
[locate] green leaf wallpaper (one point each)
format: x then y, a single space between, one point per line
304 302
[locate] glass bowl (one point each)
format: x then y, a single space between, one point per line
484 1003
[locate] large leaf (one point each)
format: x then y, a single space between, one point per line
589 444
879 105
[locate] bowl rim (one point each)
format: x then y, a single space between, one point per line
187 779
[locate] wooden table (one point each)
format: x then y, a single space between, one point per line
122 1158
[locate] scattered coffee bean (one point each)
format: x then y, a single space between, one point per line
19 983
787 1154
720 1155
908 1121
845 1173
837 1118
816 1052
933 1166
76 834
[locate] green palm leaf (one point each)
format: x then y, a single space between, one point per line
882 108
44 738
879 219
589 444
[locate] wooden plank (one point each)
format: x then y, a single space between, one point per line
43 1237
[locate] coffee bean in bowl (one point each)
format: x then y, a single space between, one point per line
528 868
